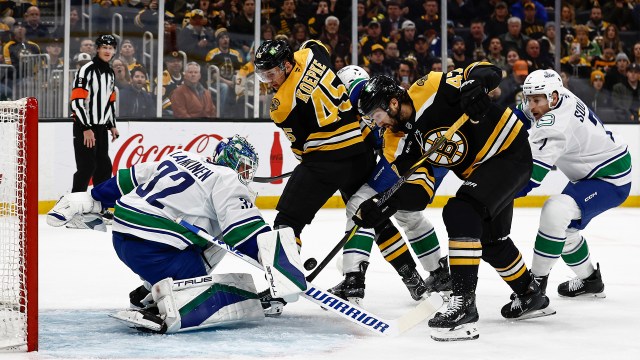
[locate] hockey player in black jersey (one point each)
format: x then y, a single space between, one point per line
312 107
421 237
490 153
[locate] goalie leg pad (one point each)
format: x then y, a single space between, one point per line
206 301
87 221
282 264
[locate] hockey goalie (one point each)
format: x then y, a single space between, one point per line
180 291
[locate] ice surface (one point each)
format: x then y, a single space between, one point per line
82 280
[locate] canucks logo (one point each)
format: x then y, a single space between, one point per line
451 153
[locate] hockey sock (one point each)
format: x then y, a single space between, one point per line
392 246
422 238
576 255
556 216
464 226
505 257
357 250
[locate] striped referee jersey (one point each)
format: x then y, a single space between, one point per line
93 96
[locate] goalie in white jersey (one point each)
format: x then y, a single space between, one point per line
567 134
213 196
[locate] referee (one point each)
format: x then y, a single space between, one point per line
93 106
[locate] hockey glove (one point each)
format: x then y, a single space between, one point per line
70 205
474 99
369 214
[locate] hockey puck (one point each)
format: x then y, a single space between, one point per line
310 264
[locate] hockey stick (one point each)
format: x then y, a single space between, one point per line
340 307
392 190
259 179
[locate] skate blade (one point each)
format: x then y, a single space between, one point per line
600 295
274 310
537 313
458 333
134 319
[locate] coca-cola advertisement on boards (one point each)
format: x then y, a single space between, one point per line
146 141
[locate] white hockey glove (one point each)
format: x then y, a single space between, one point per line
70 205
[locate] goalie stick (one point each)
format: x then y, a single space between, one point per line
392 190
340 307
270 179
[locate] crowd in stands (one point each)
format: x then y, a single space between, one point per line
599 52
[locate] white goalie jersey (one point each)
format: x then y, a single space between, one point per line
574 139
185 185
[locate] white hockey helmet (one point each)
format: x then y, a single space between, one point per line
353 77
543 82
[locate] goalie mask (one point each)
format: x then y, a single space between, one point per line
238 154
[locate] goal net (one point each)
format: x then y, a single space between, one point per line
19 225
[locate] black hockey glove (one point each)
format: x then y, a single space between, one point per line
369 214
474 99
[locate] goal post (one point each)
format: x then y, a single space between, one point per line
19 225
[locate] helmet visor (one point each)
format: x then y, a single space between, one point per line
268 76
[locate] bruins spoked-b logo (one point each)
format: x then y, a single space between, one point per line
451 153
274 104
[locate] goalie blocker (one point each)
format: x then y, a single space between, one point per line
196 303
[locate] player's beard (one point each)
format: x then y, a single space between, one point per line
400 121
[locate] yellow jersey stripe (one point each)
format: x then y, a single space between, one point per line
396 253
514 132
486 151
390 242
280 112
328 134
456 261
512 264
424 95
516 275
465 244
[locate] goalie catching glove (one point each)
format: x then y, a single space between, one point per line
474 99
371 214
72 206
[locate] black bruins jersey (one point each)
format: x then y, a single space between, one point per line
312 107
436 100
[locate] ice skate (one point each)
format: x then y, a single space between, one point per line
107 216
272 306
458 322
413 281
439 280
142 320
533 303
589 287
352 287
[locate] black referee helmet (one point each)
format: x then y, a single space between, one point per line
106 40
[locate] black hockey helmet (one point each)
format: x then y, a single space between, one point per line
273 53
106 40
378 93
